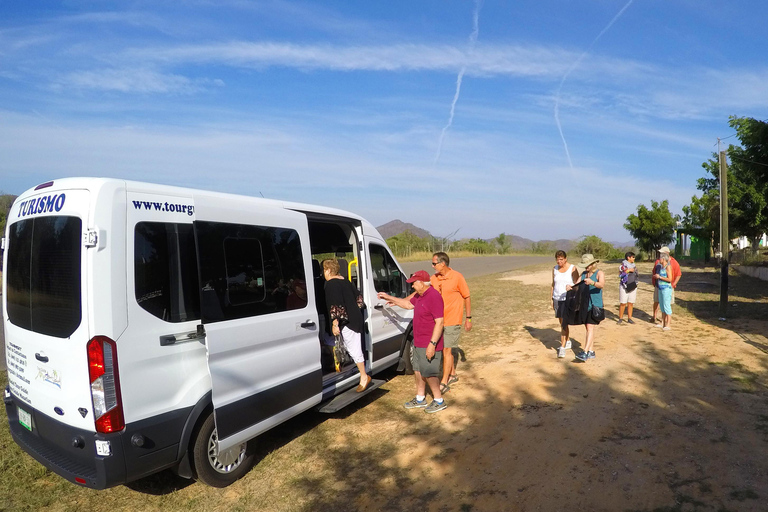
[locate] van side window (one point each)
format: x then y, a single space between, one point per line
43 275
248 270
386 274
165 268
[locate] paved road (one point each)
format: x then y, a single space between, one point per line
480 266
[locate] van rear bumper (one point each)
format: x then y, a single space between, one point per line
71 453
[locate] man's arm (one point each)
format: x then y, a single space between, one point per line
468 309
403 303
437 332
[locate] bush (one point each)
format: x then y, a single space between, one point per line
598 248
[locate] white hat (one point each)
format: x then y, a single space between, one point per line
586 260
664 249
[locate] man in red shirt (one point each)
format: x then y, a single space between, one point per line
427 305
676 275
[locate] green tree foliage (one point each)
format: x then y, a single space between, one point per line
748 170
747 187
543 248
406 243
477 246
6 200
652 228
504 243
598 248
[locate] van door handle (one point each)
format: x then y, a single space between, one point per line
171 339
308 325
378 306
40 357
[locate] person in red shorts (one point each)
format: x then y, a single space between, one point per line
427 306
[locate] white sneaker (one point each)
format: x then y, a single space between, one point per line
568 343
561 352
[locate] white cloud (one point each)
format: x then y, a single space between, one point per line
141 81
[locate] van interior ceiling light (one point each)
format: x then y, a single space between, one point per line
105 385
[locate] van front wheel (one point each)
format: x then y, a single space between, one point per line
214 468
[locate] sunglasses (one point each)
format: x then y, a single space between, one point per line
436 263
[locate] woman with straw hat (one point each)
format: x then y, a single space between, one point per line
594 278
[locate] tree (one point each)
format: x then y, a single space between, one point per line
652 228
597 247
406 243
748 179
477 246
747 187
503 242
6 200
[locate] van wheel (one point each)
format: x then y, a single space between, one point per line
214 468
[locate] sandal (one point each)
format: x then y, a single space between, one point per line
453 378
444 388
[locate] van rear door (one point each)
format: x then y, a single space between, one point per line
263 349
46 327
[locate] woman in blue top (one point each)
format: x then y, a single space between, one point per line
664 284
595 279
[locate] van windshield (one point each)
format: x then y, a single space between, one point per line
43 275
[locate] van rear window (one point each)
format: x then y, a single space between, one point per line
43 275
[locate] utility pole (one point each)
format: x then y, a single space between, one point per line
724 242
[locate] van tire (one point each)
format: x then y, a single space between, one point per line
209 468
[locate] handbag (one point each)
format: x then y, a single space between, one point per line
598 314
340 356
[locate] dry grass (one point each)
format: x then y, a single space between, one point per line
531 444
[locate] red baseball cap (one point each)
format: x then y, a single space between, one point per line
419 275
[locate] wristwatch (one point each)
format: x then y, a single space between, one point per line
433 343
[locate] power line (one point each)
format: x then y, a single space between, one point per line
745 160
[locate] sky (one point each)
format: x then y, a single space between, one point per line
544 119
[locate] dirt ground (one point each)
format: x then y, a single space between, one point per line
659 421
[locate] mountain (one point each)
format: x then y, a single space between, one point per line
395 227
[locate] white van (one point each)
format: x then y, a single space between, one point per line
151 327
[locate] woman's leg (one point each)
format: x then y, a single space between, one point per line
621 311
590 343
564 332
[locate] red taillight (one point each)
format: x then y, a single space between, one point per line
105 385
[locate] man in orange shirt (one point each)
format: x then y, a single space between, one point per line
676 275
453 287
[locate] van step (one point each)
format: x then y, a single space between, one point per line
347 397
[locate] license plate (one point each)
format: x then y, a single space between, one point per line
25 419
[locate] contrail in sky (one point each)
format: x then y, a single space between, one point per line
574 66
472 42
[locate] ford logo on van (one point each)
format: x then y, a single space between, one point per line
43 204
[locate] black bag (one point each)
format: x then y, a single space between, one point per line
598 314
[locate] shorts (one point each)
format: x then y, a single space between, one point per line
352 344
426 368
451 335
656 296
560 309
625 297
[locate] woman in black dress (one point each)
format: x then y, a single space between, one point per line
344 304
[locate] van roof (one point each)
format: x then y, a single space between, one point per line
93 183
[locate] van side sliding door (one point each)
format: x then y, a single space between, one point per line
263 349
